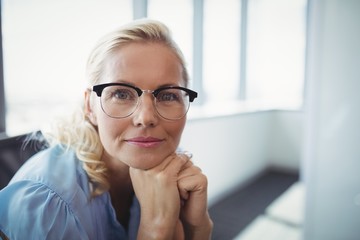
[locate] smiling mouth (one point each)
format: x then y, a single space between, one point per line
145 142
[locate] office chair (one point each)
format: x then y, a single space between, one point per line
14 151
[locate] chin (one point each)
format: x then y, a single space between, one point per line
145 162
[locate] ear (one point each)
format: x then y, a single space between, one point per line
88 108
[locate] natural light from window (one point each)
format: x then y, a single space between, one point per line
46 44
178 16
276 52
221 50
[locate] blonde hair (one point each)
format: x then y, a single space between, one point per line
78 133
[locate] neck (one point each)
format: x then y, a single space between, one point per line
121 190
117 172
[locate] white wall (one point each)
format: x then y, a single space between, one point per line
234 149
332 144
285 140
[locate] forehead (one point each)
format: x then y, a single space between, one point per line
143 64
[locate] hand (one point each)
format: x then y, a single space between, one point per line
159 198
192 185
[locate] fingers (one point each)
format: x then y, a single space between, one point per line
191 179
192 187
173 163
157 190
177 163
186 153
176 187
162 178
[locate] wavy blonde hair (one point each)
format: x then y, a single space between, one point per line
78 133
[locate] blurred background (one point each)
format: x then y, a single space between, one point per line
275 127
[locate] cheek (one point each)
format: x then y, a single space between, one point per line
110 130
106 125
176 129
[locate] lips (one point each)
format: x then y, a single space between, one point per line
146 142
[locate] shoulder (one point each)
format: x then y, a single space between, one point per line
45 195
58 169
39 209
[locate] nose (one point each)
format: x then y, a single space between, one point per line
146 115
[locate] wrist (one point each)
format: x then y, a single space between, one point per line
202 231
156 229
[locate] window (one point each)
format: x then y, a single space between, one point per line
45 47
221 50
248 49
178 16
276 51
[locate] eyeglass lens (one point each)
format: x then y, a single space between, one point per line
122 101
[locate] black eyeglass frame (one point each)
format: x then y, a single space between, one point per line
98 89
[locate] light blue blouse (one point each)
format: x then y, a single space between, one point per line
49 198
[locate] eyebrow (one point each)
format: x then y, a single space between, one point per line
161 86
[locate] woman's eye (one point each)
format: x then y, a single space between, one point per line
167 97
123 94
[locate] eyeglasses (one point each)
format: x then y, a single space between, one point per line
120 100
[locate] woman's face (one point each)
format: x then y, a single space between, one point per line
143 139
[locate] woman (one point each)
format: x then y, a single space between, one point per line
114 171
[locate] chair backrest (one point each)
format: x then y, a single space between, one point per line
14 151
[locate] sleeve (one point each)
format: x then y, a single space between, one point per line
31 210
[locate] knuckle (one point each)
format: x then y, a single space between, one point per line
203 180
